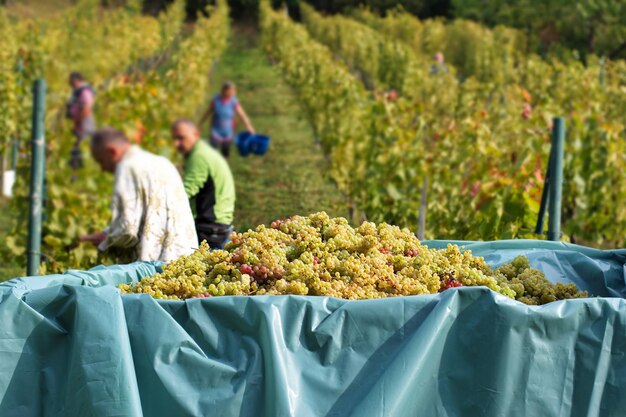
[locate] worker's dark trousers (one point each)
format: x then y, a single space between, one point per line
216 234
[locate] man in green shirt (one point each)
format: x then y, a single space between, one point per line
208 182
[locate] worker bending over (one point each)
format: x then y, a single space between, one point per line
151 218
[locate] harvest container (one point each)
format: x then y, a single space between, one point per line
73 346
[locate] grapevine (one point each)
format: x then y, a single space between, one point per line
498 110
323 256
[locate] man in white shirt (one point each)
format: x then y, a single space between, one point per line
152 219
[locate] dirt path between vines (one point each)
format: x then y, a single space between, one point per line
292 178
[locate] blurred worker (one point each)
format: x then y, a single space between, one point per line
151 218
208 182
439 66
527 111
224 106
80 111
392 95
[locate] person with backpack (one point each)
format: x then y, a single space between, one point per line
224 107
80 111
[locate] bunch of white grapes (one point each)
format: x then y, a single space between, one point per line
319 255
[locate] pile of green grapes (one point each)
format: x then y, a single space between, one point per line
319 255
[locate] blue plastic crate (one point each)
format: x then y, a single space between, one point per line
248 143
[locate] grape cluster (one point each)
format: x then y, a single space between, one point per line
319 255
531 286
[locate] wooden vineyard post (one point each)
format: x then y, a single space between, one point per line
421 231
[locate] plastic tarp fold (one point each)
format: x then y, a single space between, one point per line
71 345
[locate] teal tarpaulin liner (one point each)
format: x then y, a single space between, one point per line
70 345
